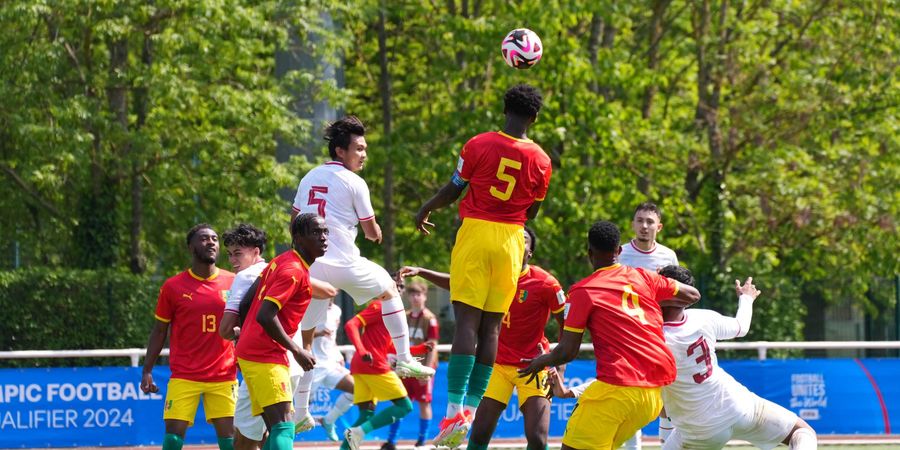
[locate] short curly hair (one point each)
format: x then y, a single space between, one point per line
533 239
246 235
196 228
523 100
338 133
678 273
604 236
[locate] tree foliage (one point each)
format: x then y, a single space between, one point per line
766 131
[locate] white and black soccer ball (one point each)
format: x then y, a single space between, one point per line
521 48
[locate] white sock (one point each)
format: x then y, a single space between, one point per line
341 406
803 439
635 442
394 317
301 395
470 411
453 409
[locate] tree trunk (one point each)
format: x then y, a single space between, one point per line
384 81
137 260
653 38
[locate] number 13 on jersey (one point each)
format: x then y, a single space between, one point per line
506 165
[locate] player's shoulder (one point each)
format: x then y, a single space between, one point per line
545 276
662 249
225 275
251 273
428 315
177 280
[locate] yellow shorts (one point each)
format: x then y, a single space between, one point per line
504 378
485 264
267 383
183 396
369 387
607 415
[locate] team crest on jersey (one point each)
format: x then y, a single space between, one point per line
523 295
225 296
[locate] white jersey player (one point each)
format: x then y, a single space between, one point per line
334 191
643 251
706 405
330 371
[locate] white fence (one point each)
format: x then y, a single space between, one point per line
761 347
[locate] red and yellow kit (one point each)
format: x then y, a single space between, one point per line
284 282
538 294
376 339
505 175
192 306
619 305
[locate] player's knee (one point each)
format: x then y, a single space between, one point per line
536 438
404 405
803 437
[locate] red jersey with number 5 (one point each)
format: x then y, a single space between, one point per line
285 283
537 295
619 306
505 175
193 306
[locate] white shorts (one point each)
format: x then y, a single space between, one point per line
250 426
363 280
766 427
328 375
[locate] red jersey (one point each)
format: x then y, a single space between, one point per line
423 326
505 175
537 295
619 305
376 339
284 282
192 306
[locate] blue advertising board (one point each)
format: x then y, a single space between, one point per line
103 406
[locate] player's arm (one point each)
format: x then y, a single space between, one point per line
685 295
747 293
440 279
371 229
565 351
154 347
268 320
322 289
228 328
246 301
443 198
352 329
532 211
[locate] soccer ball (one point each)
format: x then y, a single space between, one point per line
521 48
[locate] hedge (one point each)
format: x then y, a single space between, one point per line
53 309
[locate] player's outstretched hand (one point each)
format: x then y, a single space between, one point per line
555 381
306 360
147 384
747 289
534 367
422 223
367 357
408 271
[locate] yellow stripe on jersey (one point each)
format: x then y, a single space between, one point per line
573 329
275 301
161 319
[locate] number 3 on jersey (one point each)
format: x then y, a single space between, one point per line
704 357
502 175
314 200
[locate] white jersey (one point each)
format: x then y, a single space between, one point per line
704 398
242 282
659 256
342 198
324 348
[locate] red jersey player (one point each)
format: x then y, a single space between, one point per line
202 363
620 307
281 299
538 295
372 376
508 176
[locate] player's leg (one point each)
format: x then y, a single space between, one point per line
485 355
802 437
249 429
389 386
271 396
219 405
182 399
771 424
337 378
535 407
425 416
366 411
496 397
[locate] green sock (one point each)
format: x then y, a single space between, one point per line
400 408
281 436
458 371
265 445
172 442
364 415
226 443
478 383
473 446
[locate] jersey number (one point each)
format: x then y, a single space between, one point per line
506 320
313 200
506 163
209 323
704 357
632 305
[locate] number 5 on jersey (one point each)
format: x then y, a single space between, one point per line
319 201
502 175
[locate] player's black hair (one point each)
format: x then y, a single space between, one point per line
533 239
523 100
604 236
195 229
649 206
338 133
302 224
678 273
245 235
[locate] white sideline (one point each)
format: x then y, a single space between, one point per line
761 347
